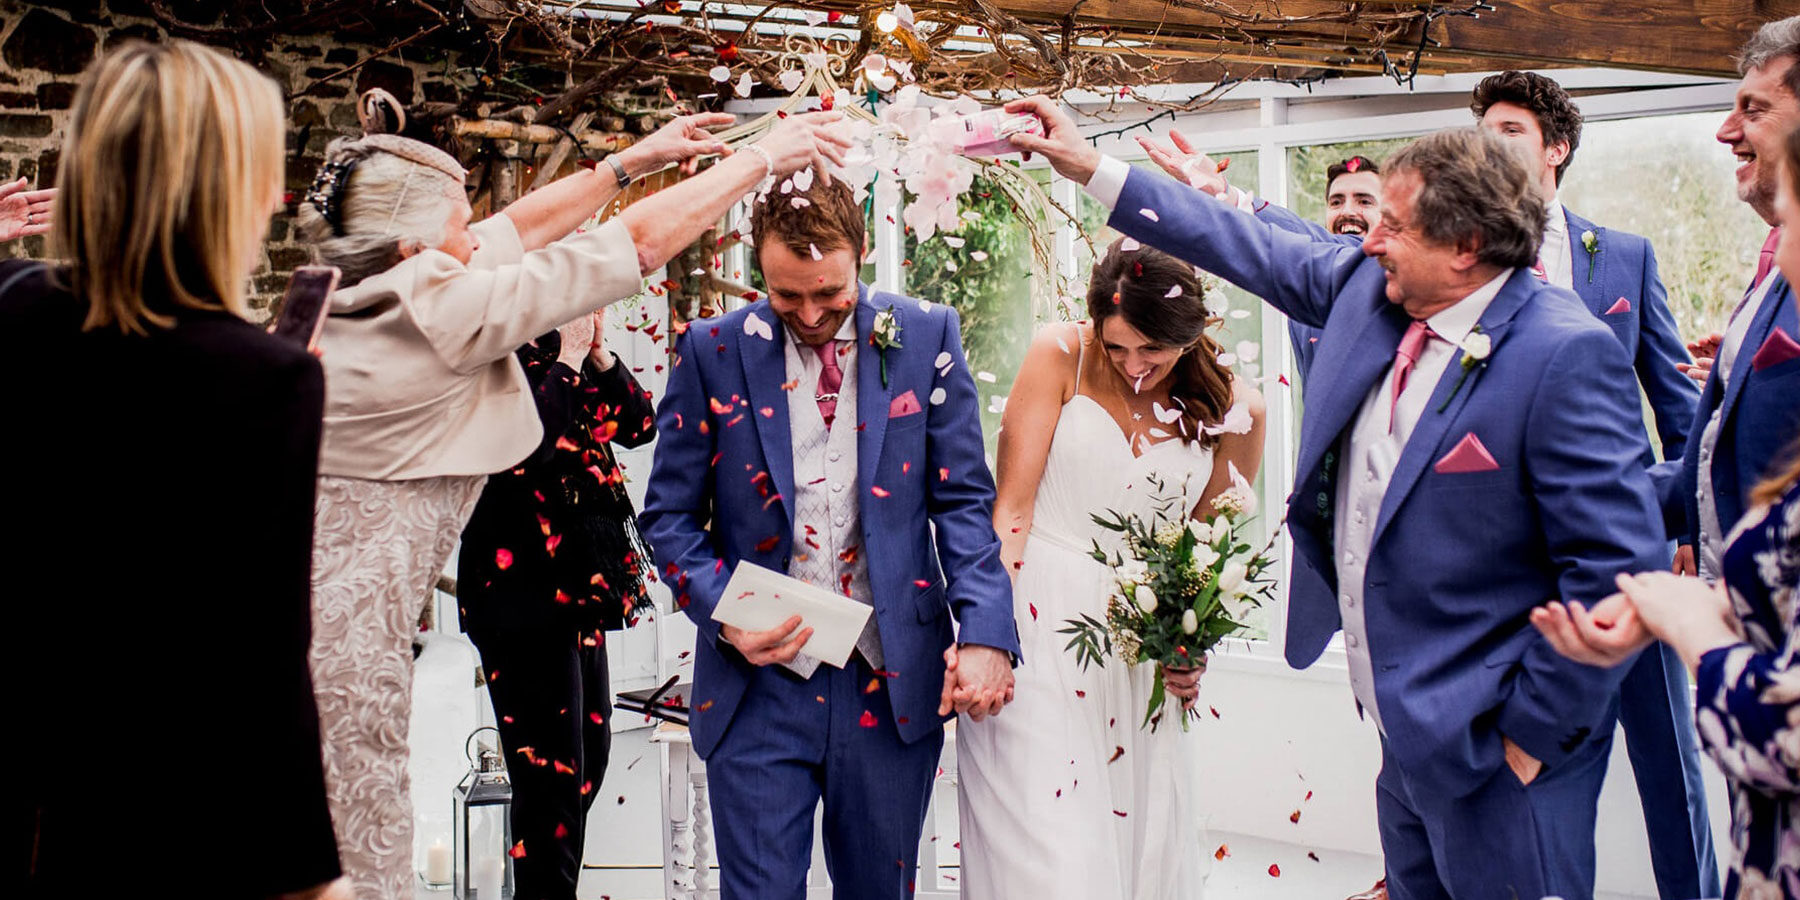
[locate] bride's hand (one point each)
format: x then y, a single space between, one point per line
1183 683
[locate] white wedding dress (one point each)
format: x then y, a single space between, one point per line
1063 794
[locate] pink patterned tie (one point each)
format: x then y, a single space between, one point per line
1764 262
1404 358
830 379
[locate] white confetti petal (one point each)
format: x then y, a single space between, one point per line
814 17
950 264
997 404
1128 245
1228 359
1174 291
790 80
815 251
1248 351
943 359
1158 433
938 396
987 377
1240 314
978 255
1164 415
753 324
1064 345
803 179
745 84
799 202
1149 213
954 241
873 63
719 73
924 306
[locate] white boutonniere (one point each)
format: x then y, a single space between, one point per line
1476 348
883 335
1591 243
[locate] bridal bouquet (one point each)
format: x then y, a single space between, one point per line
1180 589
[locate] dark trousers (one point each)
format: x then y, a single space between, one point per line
1505 841
553 700
795 744
1656 711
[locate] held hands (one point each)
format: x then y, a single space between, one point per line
577 337
978 681
1688 614
1068 152
601 357
24 213
778 645
683 140
805 140
1608 635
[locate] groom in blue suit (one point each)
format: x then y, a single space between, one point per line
832 433
1476 452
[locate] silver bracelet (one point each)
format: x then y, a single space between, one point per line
619 171
768 161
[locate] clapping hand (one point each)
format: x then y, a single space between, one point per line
24 213
1705 352
978 681
683 140
1184 163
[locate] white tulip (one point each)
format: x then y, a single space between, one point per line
1205 556
1190 622
1146 599
1202 532
1231 578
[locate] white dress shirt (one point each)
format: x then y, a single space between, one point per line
1555 254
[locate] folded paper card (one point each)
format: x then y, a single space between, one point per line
1779 348
1469 455
904 405
758 599
1620 305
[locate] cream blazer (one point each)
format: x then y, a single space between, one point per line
420 377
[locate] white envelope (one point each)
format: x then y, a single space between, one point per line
758 599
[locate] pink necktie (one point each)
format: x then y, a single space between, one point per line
1764 262
1410 345
1537 268
830 379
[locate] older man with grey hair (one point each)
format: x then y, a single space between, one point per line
1476 452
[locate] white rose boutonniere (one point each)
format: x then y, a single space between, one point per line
1476 348
884 334
1591 243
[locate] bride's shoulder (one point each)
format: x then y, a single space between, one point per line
1055 355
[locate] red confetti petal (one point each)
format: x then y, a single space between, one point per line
503 558
518 850
768 543
867 720
1274 871
1223 851
879 491
1033 608
1294 817
562 831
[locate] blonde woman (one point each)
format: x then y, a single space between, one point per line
162 452
425 399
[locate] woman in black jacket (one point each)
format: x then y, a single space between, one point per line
551 560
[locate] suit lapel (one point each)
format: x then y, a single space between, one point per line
765 369
1355 366
1428 434
1593 291
1753 340
872 397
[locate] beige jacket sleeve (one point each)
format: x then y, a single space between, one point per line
473 316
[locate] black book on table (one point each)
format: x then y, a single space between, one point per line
668 702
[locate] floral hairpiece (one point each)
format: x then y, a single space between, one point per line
327 192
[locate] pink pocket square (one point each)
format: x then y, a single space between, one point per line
904 405
1779 348
1621 306
1467 456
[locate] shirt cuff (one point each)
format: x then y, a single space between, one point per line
1108 181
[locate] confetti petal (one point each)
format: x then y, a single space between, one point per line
1174 291
790 80
1149 213
503 559
753 324
867 720
719 74
938 396
1129 246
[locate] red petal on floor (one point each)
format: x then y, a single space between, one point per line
1294 817
1274 871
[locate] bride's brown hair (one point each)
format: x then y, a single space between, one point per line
1136 284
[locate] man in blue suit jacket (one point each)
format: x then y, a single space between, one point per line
1476 453
1352 202
1747 413
825 432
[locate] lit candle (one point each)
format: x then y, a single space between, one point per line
437 863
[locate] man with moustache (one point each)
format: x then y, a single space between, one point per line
1614 274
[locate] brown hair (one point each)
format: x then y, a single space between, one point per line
1354 164
1472 184
1557 115
169 175
1771 488
1771 42
830 219
1137 284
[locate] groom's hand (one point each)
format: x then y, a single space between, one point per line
778 645
1068 152
1523 765
978 681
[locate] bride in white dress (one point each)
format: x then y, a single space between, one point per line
1064 795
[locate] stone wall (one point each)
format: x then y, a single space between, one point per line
44 48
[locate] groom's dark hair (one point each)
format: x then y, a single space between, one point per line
826 216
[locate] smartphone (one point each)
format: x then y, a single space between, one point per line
303 308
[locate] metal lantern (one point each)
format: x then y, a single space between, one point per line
483 827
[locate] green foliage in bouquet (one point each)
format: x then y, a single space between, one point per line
1182 586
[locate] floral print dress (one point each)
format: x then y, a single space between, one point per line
1749 703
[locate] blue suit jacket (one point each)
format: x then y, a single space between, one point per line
1759 422
723 475
1458 560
